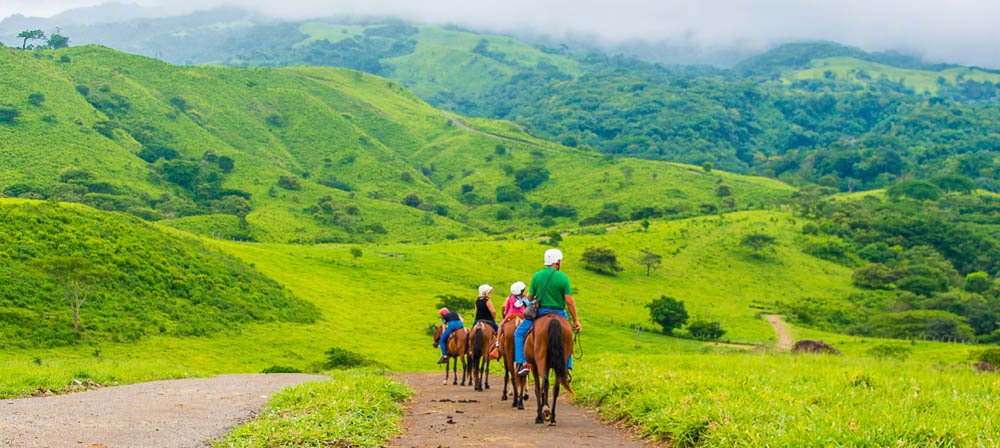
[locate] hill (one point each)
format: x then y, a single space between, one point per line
310 154
810 112
140 281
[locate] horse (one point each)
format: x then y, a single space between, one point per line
510 372
548 347
457 349
482 340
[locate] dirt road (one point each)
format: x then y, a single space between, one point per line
781 330
456 416
177 413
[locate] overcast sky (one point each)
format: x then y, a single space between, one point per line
960 31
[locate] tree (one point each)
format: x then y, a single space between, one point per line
8 114
668 312
978 282
226 164
530 178
412 200
57 40
77 276
915 189
650 260
356 252
509 193
875 276
758 242
723 190
601 260
36 98
705 330
289 183
30 35
707 167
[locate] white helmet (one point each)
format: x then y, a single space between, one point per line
517 288
484 289
553 256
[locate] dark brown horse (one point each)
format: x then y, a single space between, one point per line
457 349
548 347
510 373
482 341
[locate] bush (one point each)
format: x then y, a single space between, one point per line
915 189
758 243
668 312
281 369
705 330
601 260
530 178
559 211
289 183
509 193
412 200
36 98
338 358
991 356
8 114
886 351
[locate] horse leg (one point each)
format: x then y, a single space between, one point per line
455 376
506 378
463 370
555 396
546 411
487 372
538 396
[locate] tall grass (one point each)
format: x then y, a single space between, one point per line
793 401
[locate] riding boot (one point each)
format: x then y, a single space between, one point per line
443 360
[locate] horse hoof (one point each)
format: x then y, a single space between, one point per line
539 421
444 383
546 414
503 398
552 423
520 407
487 386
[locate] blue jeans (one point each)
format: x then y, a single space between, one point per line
443 342
522 333
491 323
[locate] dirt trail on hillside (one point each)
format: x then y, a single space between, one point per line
456 416
176 413
781 330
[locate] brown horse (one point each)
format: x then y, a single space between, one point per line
457 349
482 341
548 347
510 373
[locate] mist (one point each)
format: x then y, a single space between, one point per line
958 31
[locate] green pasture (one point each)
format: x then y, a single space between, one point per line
921 81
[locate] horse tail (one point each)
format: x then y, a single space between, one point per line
557 353
477 345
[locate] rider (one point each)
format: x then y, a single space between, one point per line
484 307
515 304
550 286
452 321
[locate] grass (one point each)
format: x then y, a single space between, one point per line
353 408
781 400
921 81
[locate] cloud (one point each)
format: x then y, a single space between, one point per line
962 31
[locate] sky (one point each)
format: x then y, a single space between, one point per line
957 31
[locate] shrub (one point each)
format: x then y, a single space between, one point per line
36 98
412 200
455 303
915 189
338 358
723 190
810 229
504 214
8 114
559 211
758 243
668 312
281 369
887 351
601 260
705 330
530 178
289 183
991 356
509 193
356 252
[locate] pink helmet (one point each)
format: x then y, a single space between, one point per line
443 311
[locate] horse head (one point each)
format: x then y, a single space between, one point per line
438 330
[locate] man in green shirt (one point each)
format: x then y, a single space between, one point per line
551 287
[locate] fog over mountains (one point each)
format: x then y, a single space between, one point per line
718 32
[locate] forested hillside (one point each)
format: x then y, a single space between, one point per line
817 113
311 155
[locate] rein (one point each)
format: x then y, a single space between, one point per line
579 343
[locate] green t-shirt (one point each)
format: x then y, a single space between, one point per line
554 294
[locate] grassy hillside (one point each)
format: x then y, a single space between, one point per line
863 73
145 282
307 155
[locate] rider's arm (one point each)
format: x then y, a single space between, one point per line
493 311
571 307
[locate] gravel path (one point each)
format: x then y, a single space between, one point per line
781 330
176 413
456 416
